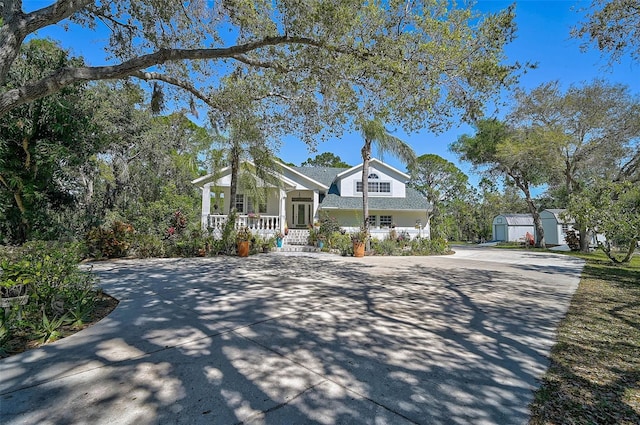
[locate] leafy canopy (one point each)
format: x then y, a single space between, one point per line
319 64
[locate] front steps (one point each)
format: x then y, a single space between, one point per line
298 237
298 248
297 240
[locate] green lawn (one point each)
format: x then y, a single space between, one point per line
594 375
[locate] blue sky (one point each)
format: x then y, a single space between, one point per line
542 38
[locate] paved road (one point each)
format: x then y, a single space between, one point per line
277 339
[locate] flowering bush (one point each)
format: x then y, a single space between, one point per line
111 242
359 236
244 235
178 221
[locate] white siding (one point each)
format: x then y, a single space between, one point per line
511 227
347 184
553 233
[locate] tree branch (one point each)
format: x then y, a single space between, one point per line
260 64
58 11
185 85
17 25
67 76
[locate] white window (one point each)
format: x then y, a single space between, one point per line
565 228
239 204
375 187
386 220
372 220
262 207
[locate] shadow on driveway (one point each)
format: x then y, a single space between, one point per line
275 340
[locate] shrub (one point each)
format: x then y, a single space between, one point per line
384 247
189 244
111 242
341 242
148 246
328 225
59 292
424 246
572 240
226 245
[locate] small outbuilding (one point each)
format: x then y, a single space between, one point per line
512 227
555 225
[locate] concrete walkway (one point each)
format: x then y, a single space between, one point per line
276 339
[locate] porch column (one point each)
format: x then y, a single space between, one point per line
282 209
316 204
206 206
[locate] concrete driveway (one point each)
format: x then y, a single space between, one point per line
276 339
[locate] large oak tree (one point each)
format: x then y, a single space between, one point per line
407 62
518 154
592 131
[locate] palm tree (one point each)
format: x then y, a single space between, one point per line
246 142
374 132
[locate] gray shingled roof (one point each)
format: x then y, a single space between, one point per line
413 201
324 175
327 175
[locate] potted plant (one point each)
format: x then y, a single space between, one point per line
313 236
279 239
358 239
243 239
320 240
268 244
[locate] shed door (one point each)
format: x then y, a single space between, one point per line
501 232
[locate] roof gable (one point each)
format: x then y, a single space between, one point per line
296 174
226 171
376 163
517 219
557 215
324 175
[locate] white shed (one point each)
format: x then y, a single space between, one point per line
555 227
512 227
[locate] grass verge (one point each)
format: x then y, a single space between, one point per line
594 374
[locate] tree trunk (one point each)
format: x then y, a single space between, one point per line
584 237
366 156
540 242
235 167
10 40
630 251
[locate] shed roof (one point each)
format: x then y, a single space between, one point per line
517 219
557 212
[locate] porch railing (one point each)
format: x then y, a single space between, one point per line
257 223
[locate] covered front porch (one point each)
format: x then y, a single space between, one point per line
282 209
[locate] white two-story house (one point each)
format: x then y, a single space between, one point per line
304 194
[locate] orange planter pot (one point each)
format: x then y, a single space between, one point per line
243 249
358 249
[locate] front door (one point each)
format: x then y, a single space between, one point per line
301 213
